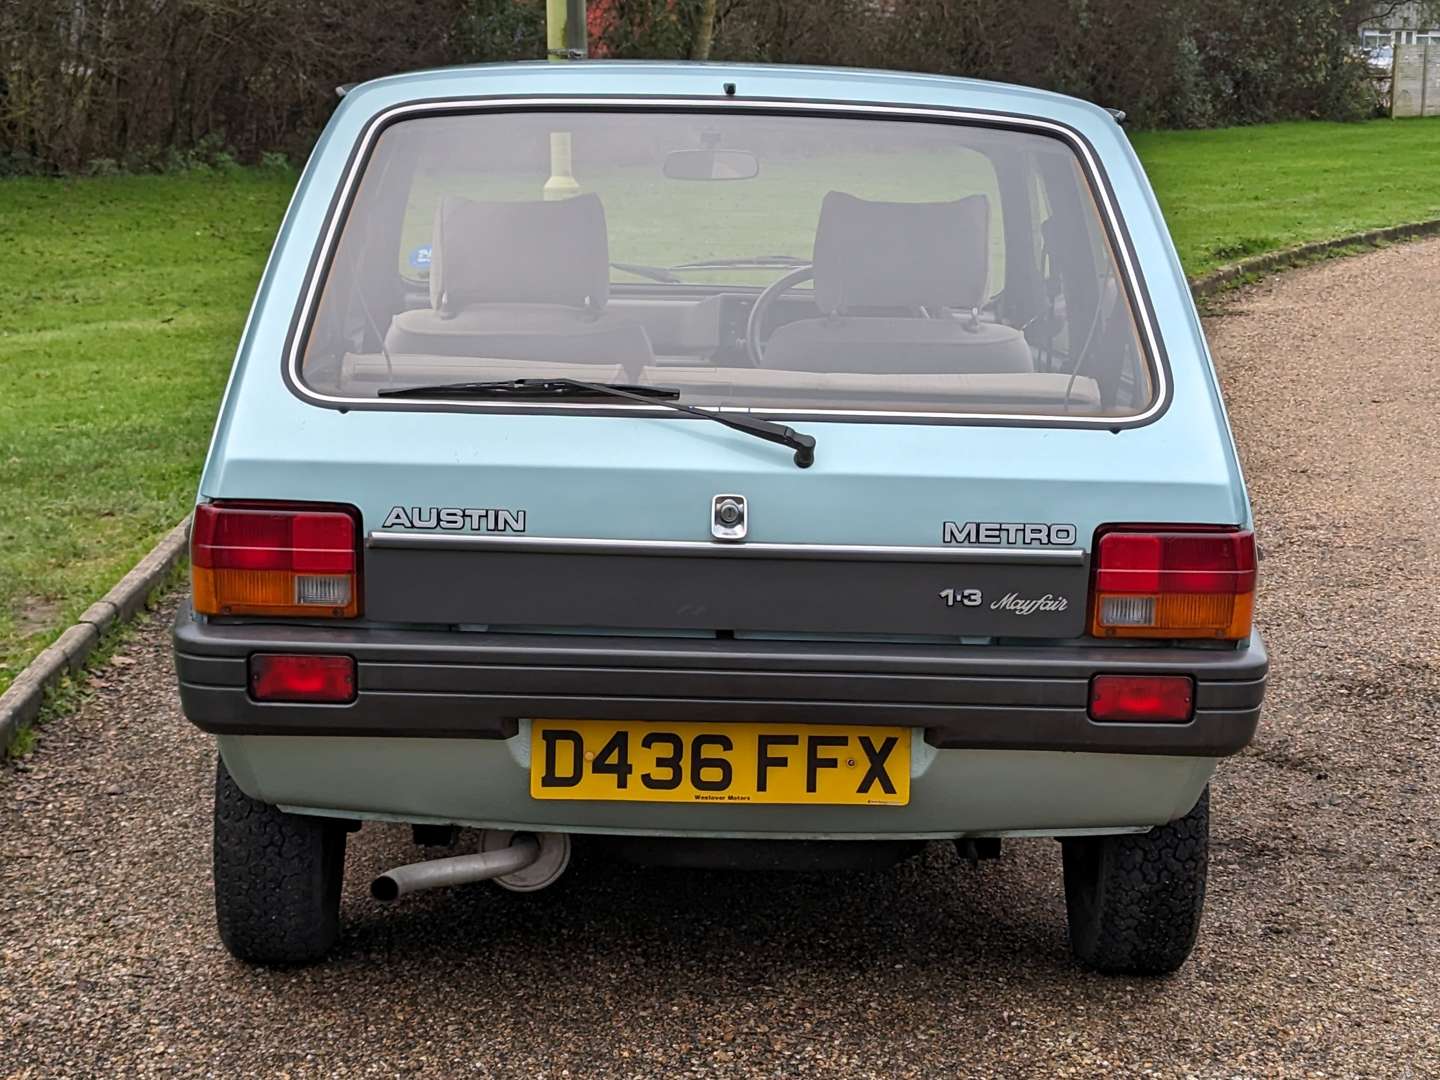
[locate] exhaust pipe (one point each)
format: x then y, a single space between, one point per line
520 853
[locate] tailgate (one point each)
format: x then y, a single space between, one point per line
580 523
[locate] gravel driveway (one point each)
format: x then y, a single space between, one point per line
1320 953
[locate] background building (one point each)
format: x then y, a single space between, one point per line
1401 24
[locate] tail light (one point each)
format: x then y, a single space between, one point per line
1180 582
276 559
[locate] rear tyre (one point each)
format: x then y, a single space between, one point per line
277 879
1135 901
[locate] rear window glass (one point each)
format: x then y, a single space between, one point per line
747 261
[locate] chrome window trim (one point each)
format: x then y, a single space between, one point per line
709 548
1095 175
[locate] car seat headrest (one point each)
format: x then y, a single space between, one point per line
889 254
519 253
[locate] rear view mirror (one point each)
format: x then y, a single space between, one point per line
711 165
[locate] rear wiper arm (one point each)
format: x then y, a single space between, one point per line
803 445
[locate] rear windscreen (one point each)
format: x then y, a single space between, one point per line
752 260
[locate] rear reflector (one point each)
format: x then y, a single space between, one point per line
285 677
276 559
1182 582
1146 699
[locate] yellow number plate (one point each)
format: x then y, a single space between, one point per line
719 763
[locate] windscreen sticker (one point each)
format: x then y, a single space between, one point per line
1009 533
455 519
420 257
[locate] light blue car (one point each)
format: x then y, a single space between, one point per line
713 465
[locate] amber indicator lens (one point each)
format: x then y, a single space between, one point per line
302 678
1143 699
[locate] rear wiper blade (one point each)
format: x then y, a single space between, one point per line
802 444
531 388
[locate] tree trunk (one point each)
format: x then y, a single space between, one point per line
704 32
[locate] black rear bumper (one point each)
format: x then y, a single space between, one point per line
473 685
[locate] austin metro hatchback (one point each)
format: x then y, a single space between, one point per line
720 465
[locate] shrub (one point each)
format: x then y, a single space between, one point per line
150 85
84 79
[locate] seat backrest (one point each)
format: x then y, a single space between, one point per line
887 254
536 252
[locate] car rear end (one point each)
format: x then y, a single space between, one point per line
1026 720
1014 600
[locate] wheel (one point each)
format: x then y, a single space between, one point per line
1134 901
277 879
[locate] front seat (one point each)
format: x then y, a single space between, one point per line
521 281
931 261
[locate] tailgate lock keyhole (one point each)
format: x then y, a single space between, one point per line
728 518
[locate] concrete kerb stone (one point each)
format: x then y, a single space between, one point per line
1218 280
77 643
101 615
21 702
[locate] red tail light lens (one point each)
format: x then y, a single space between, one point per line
1196 582
276 559
1146 699
297 678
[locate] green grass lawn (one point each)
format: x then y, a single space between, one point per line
1243 191
121 300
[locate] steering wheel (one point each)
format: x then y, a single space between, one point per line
753 348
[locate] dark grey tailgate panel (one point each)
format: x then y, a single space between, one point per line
710 587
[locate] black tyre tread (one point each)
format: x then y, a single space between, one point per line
277 879
1135 901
